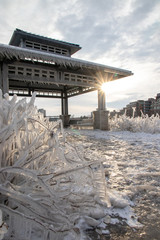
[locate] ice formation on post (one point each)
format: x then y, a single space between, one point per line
48 189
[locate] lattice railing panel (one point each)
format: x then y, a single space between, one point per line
31 72
79 78
47 48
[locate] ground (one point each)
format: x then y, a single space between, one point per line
132 165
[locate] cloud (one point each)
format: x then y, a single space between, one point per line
117 33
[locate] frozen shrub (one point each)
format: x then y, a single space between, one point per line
47 188
137 124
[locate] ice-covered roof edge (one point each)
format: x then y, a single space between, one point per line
11 52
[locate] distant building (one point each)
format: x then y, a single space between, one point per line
138 108
131 109
122 111
53 118
43 111
113 114
149 107
117 113
158 96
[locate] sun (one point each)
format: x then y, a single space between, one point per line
104 87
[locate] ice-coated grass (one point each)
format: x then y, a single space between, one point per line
48 188
135 124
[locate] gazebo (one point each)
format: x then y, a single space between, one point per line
35 63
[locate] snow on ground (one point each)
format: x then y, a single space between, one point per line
132 165
84 185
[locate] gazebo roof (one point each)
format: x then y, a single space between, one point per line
18 53
20 34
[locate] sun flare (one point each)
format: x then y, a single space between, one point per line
104 87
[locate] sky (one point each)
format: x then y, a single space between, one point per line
118 33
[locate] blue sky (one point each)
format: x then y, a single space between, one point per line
119 33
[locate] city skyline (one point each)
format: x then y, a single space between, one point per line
122 110
150 106
109 32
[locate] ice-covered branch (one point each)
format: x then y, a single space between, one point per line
136 124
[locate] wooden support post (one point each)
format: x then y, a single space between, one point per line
65 103
64 109
101 100
4 84
62 104
29 92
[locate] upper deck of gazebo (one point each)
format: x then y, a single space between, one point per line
32 41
